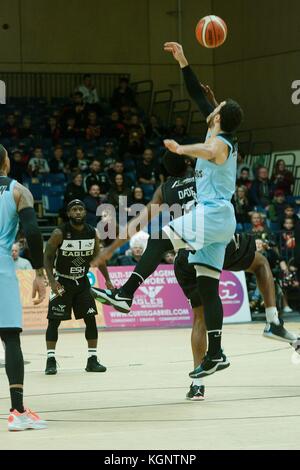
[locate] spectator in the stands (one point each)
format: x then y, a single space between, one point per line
18 170
169 257
10 128
123 97
282 178
290 213
244 179
38 165
115 129
288 234
262 190
258 227
75 189
120 195
118 169
57 164
241 165
148 174
136 124
70 129
20 263
137 245
52 130
92 201
109 156
79 162
96 176
88 90
276 209
138 195
242 209
154 131
26 130
93 129
178 131
135 143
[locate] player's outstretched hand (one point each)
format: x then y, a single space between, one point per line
39 289
171 145
209 94
177 52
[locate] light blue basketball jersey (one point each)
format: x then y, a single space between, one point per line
217 182
9 219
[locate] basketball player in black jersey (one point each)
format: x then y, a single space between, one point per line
241 255
69 252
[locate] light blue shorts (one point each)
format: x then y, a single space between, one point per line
10 302
206 230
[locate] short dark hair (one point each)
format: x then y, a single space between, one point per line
231 116
2 155
174 164
87 75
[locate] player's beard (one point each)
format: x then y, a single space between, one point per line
77 221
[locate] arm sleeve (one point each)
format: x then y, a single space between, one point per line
195 91
33 236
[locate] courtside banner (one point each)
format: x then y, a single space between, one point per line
160 302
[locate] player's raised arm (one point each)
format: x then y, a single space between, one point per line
150 211
201 94
27 216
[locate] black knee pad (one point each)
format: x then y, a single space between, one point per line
208 287
52 330
91 331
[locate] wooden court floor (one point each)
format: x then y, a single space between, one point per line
139 403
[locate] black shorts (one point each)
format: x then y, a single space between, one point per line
239 256
77 297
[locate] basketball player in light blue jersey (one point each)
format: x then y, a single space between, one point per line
206 230
16 204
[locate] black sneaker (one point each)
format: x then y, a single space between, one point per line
114 298
278 332
51 366
210 365
196 393
93 365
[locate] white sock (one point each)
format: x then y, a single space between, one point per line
272 315
198 382
51 353
92 352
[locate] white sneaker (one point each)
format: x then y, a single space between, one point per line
287 310
27 420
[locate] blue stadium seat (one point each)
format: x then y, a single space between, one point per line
36 190
55 179
52 205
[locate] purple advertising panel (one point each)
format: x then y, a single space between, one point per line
160 302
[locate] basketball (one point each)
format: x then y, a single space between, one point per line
211 31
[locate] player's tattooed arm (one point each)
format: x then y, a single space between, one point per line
50 254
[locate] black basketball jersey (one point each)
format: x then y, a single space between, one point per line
76 250
178 190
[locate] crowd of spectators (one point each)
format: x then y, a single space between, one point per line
111 152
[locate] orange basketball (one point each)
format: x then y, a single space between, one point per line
211 31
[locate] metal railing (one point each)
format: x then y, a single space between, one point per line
48 85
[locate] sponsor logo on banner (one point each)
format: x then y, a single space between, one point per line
231 293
